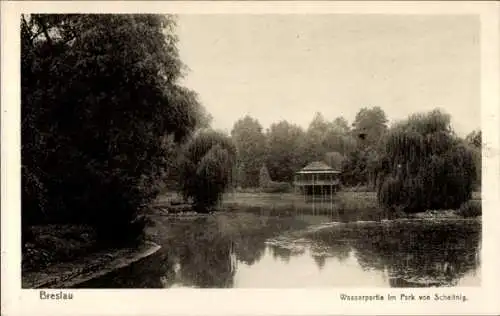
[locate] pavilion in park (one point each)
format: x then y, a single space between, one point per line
317 179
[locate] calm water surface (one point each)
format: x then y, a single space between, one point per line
256 251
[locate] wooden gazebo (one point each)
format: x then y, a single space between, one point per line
317 179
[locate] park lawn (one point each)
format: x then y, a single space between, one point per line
346 205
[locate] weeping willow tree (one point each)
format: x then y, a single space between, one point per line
425 165
206 168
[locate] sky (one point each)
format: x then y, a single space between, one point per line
288 67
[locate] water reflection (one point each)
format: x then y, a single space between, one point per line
320 261
417 254
256 251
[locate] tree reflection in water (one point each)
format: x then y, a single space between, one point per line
191 255
413 254
201 253
330 244
320 261
418 254
207 266
280 252
250 250
199 256
205 252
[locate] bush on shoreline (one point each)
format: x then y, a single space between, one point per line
57 243
354 205
277 187
472 208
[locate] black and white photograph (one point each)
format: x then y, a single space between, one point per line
251 151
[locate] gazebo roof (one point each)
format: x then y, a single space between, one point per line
318 167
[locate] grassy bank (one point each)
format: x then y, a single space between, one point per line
345 206
363 191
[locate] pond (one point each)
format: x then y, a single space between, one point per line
245 250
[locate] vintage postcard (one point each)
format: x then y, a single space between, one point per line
250 158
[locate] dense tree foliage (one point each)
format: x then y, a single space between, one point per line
369 125
323 136
364 153
284 155
287 147
207 163
290 148
317 138
340 137
341 126
360 167
425 165
334 159
474 140
369 128
251 144
99 97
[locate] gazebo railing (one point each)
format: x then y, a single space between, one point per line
316 182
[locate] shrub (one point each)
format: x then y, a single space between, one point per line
264 177
357 188
277 187
267 185
472 208
56 243
334 159
355 202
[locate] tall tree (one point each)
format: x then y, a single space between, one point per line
364 146
284 156
323 136
251 144
99 92
341 125
369 125
316 144
334 159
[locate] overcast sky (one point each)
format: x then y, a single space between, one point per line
287 67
